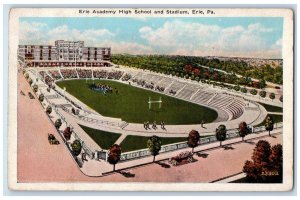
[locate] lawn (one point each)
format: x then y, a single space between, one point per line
270 108
104 139
132 142
276 119
131 104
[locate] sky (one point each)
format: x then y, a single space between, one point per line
259 37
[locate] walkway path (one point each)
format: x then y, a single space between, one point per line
104 167
231 178
275 113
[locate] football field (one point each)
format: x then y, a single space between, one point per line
131 103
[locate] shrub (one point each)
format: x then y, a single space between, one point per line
262 94
49 110
35 88
281 98
253 92
26 75
41 97
67 133
244 90
58 123
236 87
272 96
30 81
76 147
262 83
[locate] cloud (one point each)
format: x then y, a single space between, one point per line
173 38
37 33
177 37
125 47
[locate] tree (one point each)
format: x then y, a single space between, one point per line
269 124
67 133
35 88
281 99
261 153
221 133
259 163
154 145
243 130
58 124
193 139
266 164
276 159
262 94
49 110
272 96
76 147
26 75
30 81
41 97
262 83
114 155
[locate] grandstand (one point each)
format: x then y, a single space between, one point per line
227 106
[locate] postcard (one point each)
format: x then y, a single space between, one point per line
151 99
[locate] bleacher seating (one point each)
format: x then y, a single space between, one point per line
229 107
85 73
68 73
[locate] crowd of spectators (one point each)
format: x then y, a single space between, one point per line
126 77
139 81
150 85
69 73
115 75
55 74
100 74
173 92
160 89
85 73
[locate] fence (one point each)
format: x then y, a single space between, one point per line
233 133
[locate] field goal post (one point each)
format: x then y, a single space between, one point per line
151 102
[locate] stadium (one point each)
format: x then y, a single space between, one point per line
104 103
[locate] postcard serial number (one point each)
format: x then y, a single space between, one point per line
269 173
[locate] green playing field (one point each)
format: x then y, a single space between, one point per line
131 103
